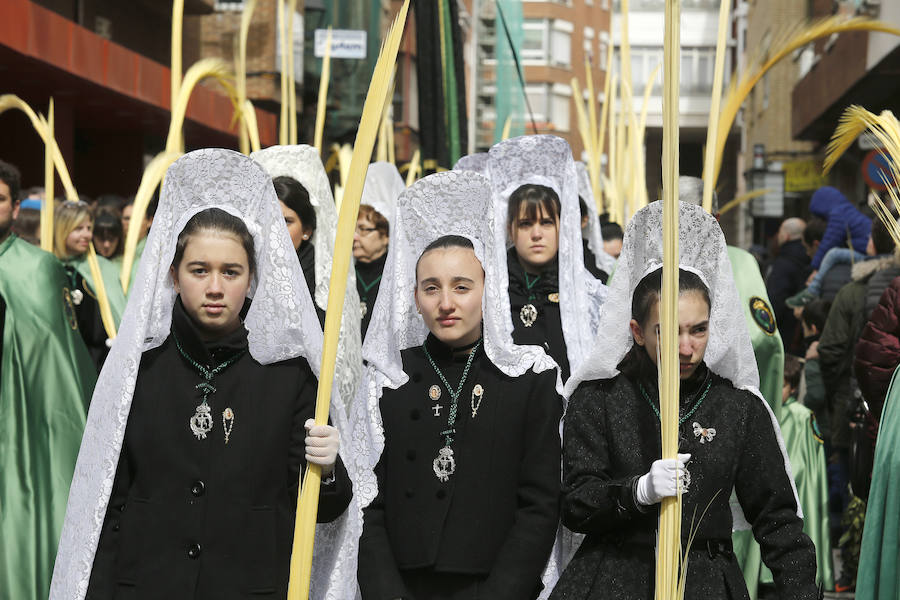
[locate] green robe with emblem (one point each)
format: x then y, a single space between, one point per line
46 381
878 577
803 445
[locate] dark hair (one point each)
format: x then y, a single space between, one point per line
646 294
445 241
216 220
583 207
9 174
27 225
293 195
816 313
378 220
793 368
611 231
107 225
531 197
151 206
110 202
881 237
815 230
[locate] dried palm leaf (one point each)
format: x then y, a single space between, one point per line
376 98
324 81
709 183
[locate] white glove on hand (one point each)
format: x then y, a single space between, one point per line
662 481
322 443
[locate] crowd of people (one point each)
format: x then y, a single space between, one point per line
495 426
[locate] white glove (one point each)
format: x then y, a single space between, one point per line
663 480
322 443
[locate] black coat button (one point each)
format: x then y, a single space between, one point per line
198 488
193 550
410 493
414 414
122 507
115 527
410 455
441 494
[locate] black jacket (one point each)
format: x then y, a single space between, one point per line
90 324
546 331
611 437
590 263
369 274
199 518
786 277
496 517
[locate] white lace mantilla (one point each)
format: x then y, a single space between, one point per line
450 203
382 188
281 323
604 261
703 251
302 163
547 160
477 163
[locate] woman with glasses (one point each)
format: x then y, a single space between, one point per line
72 237
370 242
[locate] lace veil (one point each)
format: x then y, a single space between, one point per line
547 160
703 251
473 162
449 203
281 323
604 261
302 163
382 188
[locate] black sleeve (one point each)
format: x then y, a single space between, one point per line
379 577
528 544
593 501
335 497
103 577
764 491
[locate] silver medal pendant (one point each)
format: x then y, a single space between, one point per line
528 315
363 309
77 297
201 423
444 465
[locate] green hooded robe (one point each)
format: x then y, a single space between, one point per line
46 381
802 442
878 577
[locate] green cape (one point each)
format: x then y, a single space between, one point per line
47 381
110 273
118 260
878 577
801 438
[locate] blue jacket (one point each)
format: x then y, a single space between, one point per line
843 220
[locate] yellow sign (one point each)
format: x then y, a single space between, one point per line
803 175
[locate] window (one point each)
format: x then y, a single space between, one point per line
550 105
560 101
604 49
561 43
537 100
535 41
235 5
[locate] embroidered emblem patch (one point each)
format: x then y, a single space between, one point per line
762 315
814 425
69 309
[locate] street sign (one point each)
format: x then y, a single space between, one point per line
345 43
803 176
876 171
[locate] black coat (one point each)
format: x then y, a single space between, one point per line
369 274
611 437
307 256
90 324
495 520
546 331
192 518
786 277
590 263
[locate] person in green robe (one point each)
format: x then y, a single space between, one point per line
72 238
46 381
804 449
878 577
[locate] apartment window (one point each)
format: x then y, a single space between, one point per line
550 105
537 100
561 43
546 41
232 5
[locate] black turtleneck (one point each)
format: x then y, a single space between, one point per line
368 281
491 525
306 253
546 331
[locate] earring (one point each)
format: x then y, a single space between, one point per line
305 236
